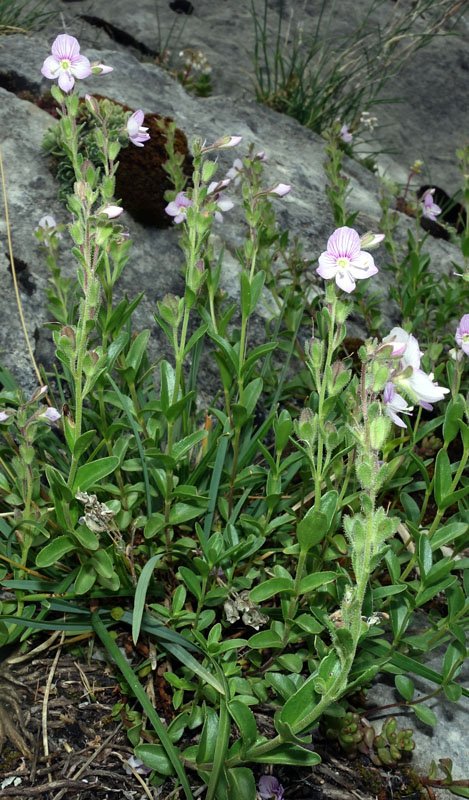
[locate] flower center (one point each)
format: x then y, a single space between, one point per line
343 262
65 63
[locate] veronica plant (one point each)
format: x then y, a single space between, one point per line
257 535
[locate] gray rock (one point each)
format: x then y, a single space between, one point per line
446 739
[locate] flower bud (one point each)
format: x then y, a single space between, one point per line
379 432
92 104
307 426
370 240
112 212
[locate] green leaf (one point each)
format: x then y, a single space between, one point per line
425 715
182 512
82 443
301 703
424 554
245 294
311 582
90 473
265 640
140 595
86 578
102 563
192 582
453 692
442 477
405 687
241 783
454 656
255 355
167 382
453 417
154 756
59 488
454 497
209 737
271 587
427 594
311 529
137 350
328 506
459 791
257 284
410 507
289 755
293 662
181 448
201 331
54 551
154 525
87 539
448 533
309 624
250 395
387 591
244 720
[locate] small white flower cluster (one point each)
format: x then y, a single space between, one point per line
196 60
368 121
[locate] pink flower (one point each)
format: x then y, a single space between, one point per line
281 189
137 133
344 260
66 63
417 384
222 205
227 141
395 404
406 346
370 240
345 134
112 211
51 415
48 224
222 144
429 208
101 69
177 208
462 334
270 788
234 173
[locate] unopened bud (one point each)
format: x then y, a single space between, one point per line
307 426
92 104
379 431
68 333
370 240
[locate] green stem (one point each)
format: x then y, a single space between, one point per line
318 469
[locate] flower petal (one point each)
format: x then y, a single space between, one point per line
327 266
66 81
50 68
344 242
81 68
345 281
65 46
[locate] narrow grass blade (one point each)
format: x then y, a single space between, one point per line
139 692
140 595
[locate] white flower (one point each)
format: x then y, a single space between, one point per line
395 404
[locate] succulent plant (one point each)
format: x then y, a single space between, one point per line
356 735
